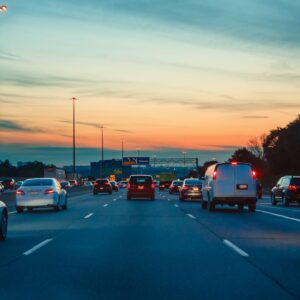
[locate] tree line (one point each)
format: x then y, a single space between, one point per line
272 155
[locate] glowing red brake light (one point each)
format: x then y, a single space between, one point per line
254 174
128 185
49 191
20 192
106 183
185 187
215 175
292 187
153 185
234 163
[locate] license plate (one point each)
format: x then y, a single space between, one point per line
33 193
140 187
195 189
101 188
242 186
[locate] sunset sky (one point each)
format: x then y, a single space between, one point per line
164 75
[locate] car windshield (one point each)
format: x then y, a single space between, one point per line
193 182
295 181
141 179
38 182
177 183
102 181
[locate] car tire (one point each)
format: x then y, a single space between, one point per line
65 206
285 201
110 193
128 198
211 206
241 207
95 193
19 209
3 226
273 200
204 204
251 207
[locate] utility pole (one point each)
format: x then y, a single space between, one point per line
122 150
102 150
74 141
138 160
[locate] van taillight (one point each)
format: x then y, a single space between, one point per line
292 187
215 175
20 192
128 185
254 174
234 163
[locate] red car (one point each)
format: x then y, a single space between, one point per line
102 186
8 183
175 186
141 186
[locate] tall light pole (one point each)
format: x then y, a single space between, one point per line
122 150
184 154
102 149
74 142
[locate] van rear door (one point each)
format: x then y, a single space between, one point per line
244 183
224 185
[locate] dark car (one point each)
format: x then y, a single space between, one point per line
140 186
191 189
114 186
65 184
102 186
164 185
286 190
175 186
8 183
3 220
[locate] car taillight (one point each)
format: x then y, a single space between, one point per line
49 191
11 183
128 185
20 192
153 185
234 163
215 175
185 187
254 174
95 184
106 183
292 187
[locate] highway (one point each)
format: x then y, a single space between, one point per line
105 247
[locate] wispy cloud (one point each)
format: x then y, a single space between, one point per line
4 55
8 125
255 117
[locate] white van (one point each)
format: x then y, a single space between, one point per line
229 183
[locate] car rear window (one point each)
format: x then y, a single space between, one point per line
177 183
101 181
38 182
141 179
193 182
295 181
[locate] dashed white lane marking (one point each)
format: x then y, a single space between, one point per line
88 216
176 205
191 216
277 215
115 200
105 205
35 248
12 212
235 248
169 200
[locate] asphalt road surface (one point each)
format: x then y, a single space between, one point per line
105 247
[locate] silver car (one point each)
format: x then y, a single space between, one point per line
41 192
3 220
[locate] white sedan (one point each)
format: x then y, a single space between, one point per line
40 192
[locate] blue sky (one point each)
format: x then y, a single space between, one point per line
191 74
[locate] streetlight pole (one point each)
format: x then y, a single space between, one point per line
184 172
138 160
74 142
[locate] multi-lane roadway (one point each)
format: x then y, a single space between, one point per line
105 247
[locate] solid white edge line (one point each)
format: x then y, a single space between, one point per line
235 248
105 205
88 216
40 245
277 215
191 216
12 212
